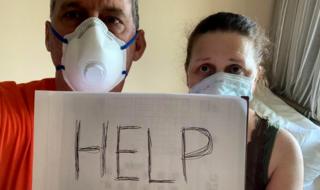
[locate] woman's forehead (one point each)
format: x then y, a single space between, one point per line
224 45
222 42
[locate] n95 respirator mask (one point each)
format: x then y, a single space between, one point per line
93 59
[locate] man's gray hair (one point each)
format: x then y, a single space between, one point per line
135 11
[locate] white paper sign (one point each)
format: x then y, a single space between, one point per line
139 142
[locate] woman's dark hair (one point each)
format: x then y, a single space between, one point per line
230 22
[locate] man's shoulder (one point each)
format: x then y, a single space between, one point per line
13 94
44 84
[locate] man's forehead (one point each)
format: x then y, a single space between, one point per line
123 5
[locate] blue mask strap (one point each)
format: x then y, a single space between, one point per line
125 46
58 36
130 42
125 73
60 68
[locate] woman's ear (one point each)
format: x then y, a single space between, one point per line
140 46
261 76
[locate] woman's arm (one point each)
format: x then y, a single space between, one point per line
286 164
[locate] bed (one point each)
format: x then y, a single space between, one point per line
268 105
314 186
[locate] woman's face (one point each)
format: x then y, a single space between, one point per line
214 52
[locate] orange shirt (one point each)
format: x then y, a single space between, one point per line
16 132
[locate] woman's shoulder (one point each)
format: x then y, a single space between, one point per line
286 164
286 141
285 147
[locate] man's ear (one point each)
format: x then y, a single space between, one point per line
140 46
186 69
187 79
48 40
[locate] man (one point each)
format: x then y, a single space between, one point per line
74 32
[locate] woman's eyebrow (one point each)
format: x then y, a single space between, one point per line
236 60
203 59
239 61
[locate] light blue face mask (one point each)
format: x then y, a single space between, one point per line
224 84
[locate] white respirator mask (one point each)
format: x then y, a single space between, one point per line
93 59
225 84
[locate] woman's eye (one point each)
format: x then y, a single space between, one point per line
205 69
234 69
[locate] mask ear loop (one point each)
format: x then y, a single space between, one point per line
58 36
126 46
130 42
63 40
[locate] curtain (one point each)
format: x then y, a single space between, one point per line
294 73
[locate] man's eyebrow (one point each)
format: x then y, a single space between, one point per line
114 10
111 9
70 4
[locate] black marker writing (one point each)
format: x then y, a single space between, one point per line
92 149
199 153
119 151
150 163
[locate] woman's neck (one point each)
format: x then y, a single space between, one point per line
251 123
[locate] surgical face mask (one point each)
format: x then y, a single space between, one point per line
224 84
93 59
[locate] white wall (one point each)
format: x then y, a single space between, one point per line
23 56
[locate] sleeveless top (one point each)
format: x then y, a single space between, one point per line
259 152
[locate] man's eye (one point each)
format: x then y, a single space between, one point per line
112 20
114 24
234 69
73 15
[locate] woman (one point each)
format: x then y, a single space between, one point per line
223 56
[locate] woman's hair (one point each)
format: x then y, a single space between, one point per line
230 22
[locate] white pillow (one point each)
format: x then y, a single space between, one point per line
314 186
268 105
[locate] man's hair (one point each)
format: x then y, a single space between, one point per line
134 7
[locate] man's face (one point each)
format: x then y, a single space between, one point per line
116 14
